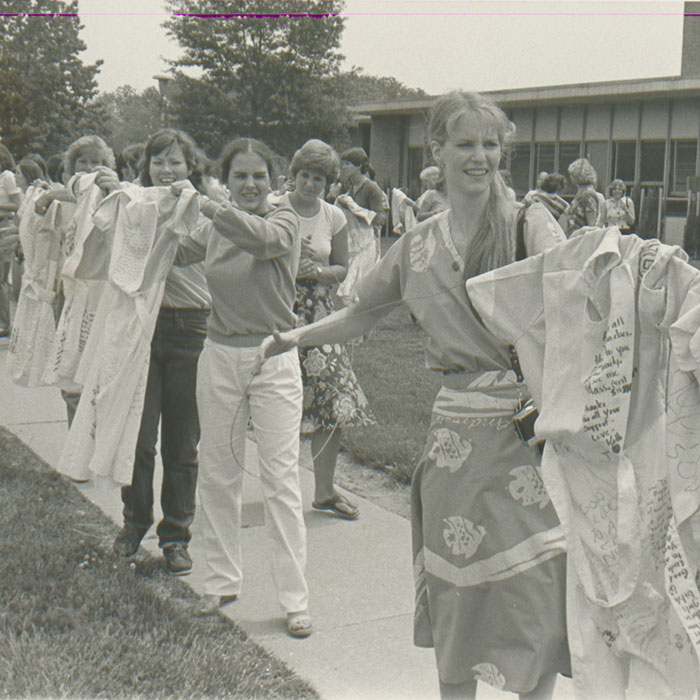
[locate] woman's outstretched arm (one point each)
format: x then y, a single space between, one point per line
338 327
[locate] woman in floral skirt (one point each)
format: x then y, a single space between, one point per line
332 397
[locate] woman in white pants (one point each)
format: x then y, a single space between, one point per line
251 253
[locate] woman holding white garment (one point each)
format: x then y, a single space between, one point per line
333 398
488 551
251 255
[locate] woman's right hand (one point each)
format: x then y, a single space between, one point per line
107 180
42 203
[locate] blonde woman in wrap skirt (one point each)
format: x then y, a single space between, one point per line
488 550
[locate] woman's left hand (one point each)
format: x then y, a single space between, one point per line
310 266
309 269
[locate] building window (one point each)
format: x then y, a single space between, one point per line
624 157
568 153
683 156
544 158
520 167
651 168
415 165
597 154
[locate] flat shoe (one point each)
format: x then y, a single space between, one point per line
339 506
299 624
209 604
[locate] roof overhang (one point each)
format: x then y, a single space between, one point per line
619 90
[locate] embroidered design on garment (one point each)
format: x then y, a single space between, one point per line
527 486
449 450
315 363
421 252
489 673
462 536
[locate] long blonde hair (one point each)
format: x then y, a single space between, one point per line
493 244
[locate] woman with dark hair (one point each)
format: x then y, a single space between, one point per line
169 156
127 162
364 206
54 169
333 398
487 545
357 172
28 172
251 256
619 207
547 193
38 159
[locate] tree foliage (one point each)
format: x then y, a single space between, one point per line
357 87
268 70
131 116
47 92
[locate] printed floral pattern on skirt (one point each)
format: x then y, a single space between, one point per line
488 548
332 395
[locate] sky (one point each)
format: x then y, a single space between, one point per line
436 45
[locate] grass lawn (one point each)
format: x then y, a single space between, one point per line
391 370
76 621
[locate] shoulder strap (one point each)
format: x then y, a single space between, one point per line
520 251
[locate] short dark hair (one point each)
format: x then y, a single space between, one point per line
164 139
54 167
129 157
357 156
36 157
30 170
553 183
7 162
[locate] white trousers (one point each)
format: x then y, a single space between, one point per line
227 395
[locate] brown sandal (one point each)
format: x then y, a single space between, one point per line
339 506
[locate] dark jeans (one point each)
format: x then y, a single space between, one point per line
170 400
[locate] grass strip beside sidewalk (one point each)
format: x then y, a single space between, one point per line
76 621
400 390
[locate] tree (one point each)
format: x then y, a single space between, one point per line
357 88
47 92
131 116
266 69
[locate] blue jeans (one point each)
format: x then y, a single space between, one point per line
171 400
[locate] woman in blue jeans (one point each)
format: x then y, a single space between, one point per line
170 156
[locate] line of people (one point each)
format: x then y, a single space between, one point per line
531 559
239 271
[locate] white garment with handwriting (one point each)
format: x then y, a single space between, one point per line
606 327
34 324
145 224
81 293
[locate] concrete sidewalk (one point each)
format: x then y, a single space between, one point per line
359 575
